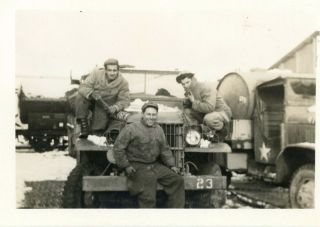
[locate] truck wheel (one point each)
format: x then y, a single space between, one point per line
208 198
41 144
73 196
302 187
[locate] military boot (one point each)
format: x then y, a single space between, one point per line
84 128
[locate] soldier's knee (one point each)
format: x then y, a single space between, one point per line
80 99
211 117
214 120
79 96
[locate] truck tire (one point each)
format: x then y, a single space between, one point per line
207 198
73 196
302 187
42 144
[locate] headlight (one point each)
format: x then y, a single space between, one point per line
193 137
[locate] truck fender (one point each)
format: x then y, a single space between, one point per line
292 157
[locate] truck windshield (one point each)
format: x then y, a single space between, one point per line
305 88
301 92
153 84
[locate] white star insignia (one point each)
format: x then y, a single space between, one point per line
264 151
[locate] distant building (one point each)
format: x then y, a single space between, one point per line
304 58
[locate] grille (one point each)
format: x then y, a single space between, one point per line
174 135
298 133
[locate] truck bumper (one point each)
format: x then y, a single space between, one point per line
232 161
119 183
213 148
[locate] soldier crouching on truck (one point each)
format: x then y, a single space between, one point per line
203 104
137 149
102 84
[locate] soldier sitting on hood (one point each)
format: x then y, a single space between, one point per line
203 104
142 150
106 84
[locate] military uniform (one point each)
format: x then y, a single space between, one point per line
140 146
114 93
207 107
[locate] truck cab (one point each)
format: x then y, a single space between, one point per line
273 130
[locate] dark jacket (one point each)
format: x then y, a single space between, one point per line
141 143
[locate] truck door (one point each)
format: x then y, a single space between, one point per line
268 117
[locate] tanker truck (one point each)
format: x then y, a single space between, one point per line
272 133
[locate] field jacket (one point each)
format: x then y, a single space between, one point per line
141 143
207 99
114 93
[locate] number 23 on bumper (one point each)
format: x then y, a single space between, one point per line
204 183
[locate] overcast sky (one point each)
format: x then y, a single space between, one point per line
210 38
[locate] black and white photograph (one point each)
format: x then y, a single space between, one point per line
182 112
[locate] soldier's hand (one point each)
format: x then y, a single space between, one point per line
113 109
175 169
130 170
190 97
95 95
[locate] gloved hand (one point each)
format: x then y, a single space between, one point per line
113 109
130 170
95 95
175 169
187 103
190 97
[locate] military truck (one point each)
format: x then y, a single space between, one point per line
97 182
46 120
273 129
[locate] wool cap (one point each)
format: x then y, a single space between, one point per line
184 74
111 61
149 104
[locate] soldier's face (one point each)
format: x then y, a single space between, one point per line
112 71
186 83
150 116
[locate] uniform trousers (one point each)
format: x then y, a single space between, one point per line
100 119
143 184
